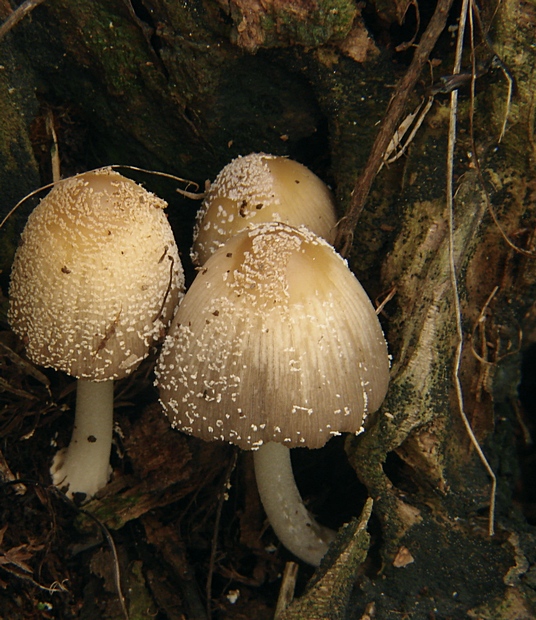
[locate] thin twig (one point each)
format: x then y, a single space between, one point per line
23 200
411 125
54 148
6 475
113 549
496 61
381 305
453 276
389 124
527 437
476 162
19 13
109 539
475 11
478 323
25 366
214 547
166 175
113 167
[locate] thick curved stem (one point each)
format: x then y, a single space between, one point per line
294 525
84 466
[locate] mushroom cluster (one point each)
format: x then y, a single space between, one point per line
275 345
95 281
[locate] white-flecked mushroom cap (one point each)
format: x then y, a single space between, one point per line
275 340
260 188
96 278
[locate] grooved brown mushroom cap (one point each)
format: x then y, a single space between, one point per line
275 340
96 278
261 188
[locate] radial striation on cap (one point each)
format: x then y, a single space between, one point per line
275 340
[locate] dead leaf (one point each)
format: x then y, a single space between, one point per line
403 558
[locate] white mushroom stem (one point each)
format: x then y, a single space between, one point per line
294 525
84 466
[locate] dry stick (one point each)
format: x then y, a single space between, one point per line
54 149
214 546
7 476
113 167
166 175
286 591
19 13
115 556
452 263
388 126
483 339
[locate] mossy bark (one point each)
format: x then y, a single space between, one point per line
442 515
184 87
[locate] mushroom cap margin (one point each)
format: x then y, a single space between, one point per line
275 340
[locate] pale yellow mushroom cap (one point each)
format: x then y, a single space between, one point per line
275 340
260 188
96 278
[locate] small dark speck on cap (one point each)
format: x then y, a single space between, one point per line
92 439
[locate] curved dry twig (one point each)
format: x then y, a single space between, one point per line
465 11
18 14
389 125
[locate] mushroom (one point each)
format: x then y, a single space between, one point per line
260 188
275 345
95 281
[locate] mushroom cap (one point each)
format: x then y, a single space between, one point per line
260 188
275 340
96 278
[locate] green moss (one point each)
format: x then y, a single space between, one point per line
109 512
18 168
16 153
328 592
141 605
326 21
